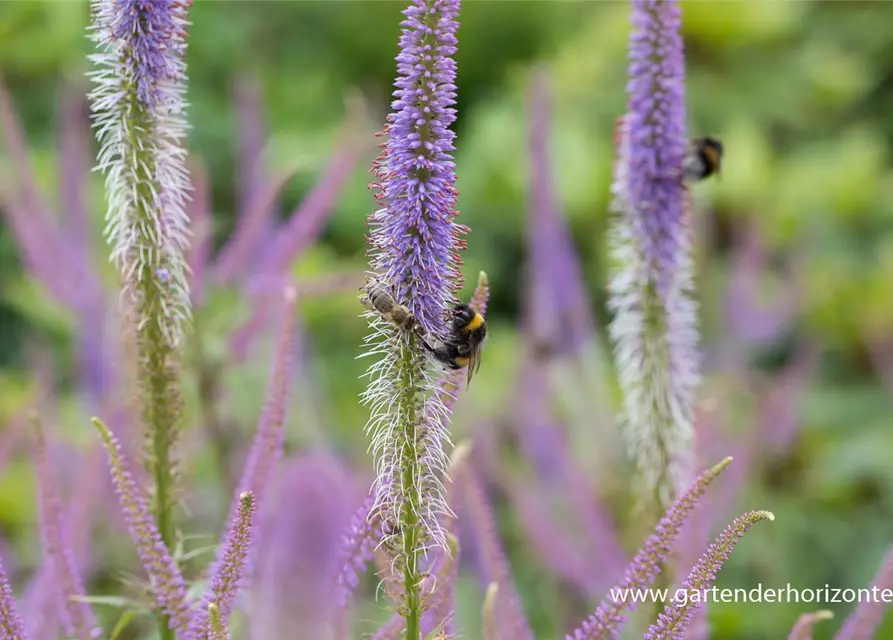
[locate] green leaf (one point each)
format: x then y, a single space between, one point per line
119 602
123 621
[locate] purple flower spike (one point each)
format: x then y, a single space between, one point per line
558 312
674 620
167 581
862 623
655 323
266 448
77 616
298 551
415 239
228 570
609 618
509 612
413 249
11 627
805 624
355 551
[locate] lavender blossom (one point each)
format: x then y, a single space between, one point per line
306 223
608 619
228 570
655 324
806 622
11 627
236 255
414 244
862 622
77 616
676 616
47 255
167 581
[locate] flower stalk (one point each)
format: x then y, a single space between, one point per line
138 108
414 242
655 322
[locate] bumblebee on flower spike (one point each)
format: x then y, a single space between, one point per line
462 347
465 336
703 158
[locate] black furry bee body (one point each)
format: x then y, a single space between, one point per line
703 159
462 347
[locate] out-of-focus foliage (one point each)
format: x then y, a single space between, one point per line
801 93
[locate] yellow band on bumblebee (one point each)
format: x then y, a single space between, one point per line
462 361
475 323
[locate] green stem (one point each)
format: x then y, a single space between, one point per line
160 398
410 524
160 388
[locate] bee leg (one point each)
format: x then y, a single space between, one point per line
442 353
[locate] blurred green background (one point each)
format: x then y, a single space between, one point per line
801 93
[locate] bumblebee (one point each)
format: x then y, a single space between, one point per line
462 347
703 159
377 298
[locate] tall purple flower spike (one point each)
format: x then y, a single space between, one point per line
413 247
655 322
413 250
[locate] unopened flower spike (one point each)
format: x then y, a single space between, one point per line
218 630
168 585
609 617
229 569
654 329
77 616
806 622
677 616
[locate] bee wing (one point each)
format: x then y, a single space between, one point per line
474 363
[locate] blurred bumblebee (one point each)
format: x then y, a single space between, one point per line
377 298
462 347
702 159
